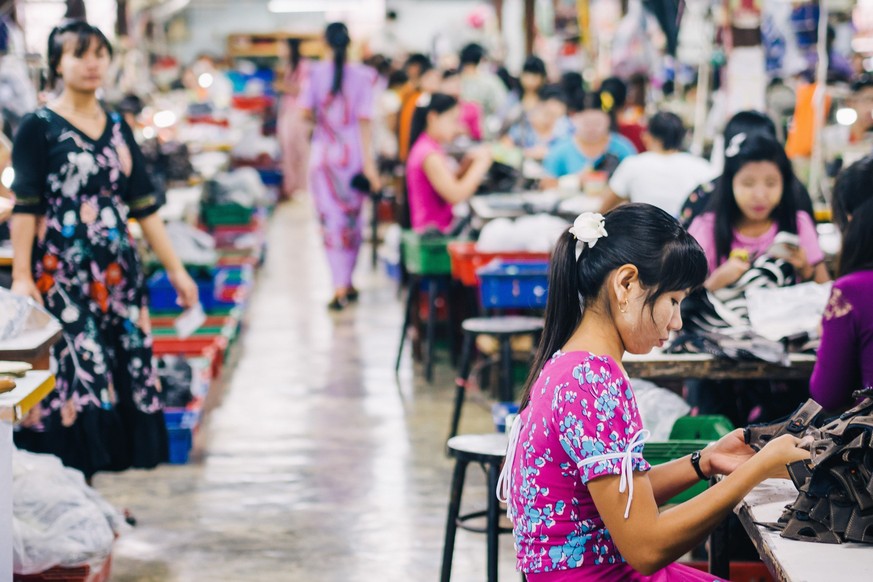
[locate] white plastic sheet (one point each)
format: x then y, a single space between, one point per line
57 519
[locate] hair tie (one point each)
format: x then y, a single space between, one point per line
734 146
589 227
423 100
607 101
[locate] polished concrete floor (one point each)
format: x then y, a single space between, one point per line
316 462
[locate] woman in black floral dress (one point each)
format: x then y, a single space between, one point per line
79 175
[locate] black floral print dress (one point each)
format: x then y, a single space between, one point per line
106 412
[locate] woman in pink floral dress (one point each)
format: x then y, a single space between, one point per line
581 495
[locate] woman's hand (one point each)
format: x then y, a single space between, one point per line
724 456
780 452
800 263
25 287
185 288
728 273
372 174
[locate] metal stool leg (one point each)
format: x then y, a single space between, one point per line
493 520
374 230
461 380
450 317
407 316
432 292
504 391
452 520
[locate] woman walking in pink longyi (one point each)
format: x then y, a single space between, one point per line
339 100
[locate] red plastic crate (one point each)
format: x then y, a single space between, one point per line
466 260
740 571
80 574
212 348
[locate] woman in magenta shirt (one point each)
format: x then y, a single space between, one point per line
750 209
845 358
434 185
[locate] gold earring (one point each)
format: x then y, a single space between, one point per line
626 306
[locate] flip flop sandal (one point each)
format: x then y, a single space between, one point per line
800 473
757 436
822 513
822 450
841 513
860 528
803 529
851 480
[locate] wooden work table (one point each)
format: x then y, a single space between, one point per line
792 560
14 405
661 366
33 347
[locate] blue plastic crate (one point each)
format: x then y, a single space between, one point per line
162 296
180 442
270 177
181 418
514 284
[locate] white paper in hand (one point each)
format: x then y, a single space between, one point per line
190 321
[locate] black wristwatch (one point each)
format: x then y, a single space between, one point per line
695 462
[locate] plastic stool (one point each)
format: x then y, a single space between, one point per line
489 451
504 328
434 284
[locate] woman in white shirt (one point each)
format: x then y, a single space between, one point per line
662 176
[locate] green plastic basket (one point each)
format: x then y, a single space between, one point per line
702 427
689 434
426 255
658 453
227 215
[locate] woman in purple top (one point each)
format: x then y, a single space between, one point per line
845 358
339 99
749 209
434 183
582 498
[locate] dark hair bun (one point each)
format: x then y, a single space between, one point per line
337 35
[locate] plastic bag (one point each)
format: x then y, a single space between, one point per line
786 311
659 408
20 314
57 519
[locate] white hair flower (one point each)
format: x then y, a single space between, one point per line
735 145
589 227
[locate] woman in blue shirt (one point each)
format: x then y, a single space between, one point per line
594 147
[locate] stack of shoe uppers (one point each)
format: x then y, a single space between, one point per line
835 503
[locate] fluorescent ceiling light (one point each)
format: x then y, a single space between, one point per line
313 5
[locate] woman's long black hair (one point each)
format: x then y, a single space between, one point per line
438 103
667 257
853 214
294 54
83 32
747 149
338 39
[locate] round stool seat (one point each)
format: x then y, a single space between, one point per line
483 448
503 325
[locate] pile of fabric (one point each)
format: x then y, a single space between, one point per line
835 503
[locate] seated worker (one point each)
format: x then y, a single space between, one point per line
861 101
594 147
663 175
542 127
423 78
845 358
629 116
751 207
748 123
434 183
471 113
